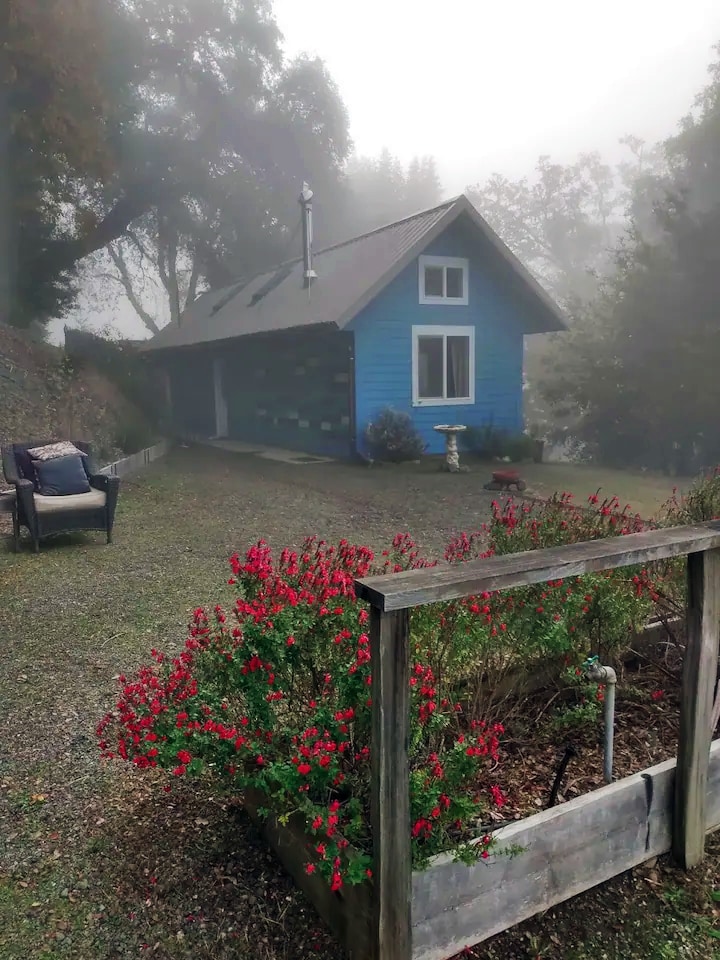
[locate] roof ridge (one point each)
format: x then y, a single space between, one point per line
393 223
446 204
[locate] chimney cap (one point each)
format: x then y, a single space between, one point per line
307 194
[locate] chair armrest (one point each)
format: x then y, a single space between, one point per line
24 491
101 481
9 466
111 486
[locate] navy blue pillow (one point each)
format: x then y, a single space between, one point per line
61 477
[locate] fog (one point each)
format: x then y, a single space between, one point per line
490 87
167 159
484 90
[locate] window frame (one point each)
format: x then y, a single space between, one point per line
443 263
444 331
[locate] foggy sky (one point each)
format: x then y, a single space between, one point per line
488 87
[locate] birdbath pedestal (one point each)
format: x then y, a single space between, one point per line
452 457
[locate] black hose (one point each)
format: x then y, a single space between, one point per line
570 752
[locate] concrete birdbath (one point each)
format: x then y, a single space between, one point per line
452 457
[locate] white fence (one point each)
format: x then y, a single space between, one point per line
136 461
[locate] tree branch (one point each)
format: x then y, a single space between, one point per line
124 277
61 255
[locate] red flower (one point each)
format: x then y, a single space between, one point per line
499 798
183 756
309 868
657 694
304 769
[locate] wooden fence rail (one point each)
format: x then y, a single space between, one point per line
392 596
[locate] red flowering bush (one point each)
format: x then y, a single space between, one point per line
494 644
274 691
700 503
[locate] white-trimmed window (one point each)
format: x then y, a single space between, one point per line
444 280
443 365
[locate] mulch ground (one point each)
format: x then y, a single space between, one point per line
645 733
97 860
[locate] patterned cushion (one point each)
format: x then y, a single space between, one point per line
51 451
62 476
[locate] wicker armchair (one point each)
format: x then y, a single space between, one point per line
45 516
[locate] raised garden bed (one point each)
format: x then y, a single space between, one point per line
277 700
566 850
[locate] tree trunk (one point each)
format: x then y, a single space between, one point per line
167 264
8 258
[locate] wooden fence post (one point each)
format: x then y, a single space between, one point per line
696 705
390 785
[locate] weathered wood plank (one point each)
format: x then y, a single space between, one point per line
413 588
390 786
452 899
696 706
568 850
346 912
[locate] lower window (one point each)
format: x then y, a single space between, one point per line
443 365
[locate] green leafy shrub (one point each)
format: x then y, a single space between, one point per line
121 363
134 434
495 443
496 645
586 708
392 436
700 503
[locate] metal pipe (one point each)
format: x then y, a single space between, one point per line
598 673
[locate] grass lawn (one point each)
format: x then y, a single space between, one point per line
645 492
99 861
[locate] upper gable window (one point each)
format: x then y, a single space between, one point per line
444 280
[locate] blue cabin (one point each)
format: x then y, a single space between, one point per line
427 315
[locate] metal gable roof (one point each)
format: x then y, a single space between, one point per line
350 275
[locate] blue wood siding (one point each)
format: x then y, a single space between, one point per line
383 343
